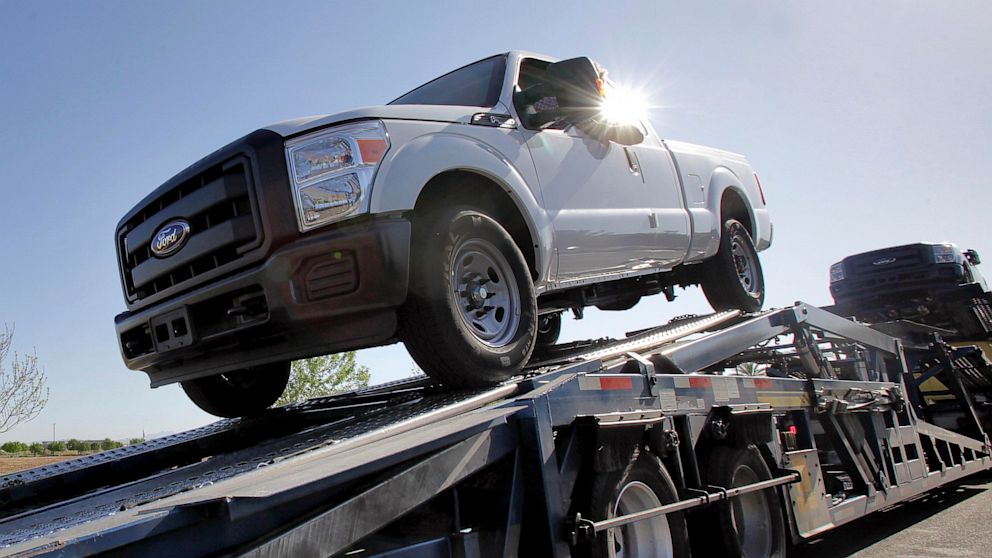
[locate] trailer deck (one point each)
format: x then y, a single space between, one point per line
410 469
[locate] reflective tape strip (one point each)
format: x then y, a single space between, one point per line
783 398
597 383
699 382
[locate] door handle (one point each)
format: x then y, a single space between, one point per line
632 163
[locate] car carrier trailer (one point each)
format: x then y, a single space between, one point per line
728 433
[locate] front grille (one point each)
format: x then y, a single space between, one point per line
219 206
903 257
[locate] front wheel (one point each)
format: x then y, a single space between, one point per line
239 393
471 315
733 279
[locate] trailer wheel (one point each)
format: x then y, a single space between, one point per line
548 330
751 524
471 315
644 484
240 393
732 279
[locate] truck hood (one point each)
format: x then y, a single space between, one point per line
434 113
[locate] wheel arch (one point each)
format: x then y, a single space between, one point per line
448 168
729 200
734 206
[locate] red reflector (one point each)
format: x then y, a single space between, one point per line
615 383
762 383
793 429
699 382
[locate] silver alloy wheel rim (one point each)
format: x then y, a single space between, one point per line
751 516
650 537
744 265
485 291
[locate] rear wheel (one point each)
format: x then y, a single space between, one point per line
471 315
643 485
239 393
751 524
733 279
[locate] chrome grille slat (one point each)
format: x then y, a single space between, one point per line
217 203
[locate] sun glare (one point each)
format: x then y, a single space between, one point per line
623 105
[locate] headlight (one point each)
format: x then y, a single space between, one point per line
837 272
332 170
943 253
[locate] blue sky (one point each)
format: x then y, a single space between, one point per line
870 124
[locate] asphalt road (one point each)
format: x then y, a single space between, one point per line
953 521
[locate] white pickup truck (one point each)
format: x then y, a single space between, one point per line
462 218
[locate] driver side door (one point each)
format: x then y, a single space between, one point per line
594 193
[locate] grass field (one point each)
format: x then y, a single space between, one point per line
13 464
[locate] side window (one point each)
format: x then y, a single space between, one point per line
533 99
475 85
537 104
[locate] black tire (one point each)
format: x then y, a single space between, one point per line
240 393
548 330
750 525
457 331
732 279
643 484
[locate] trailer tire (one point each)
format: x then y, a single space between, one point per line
751 524
643 484
732 279
470 319
239 393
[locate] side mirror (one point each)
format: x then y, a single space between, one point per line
577 85
972 257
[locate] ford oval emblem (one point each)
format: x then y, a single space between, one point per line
883 261
170 238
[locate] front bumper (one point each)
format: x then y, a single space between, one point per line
325 292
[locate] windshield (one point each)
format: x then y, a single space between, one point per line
475 85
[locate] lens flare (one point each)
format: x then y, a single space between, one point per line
623 105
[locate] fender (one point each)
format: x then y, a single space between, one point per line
407 169
721 180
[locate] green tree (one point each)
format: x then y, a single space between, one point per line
134 441
76 445
56 447
37 448
108 444
14 447
324 375
22 388
94 446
